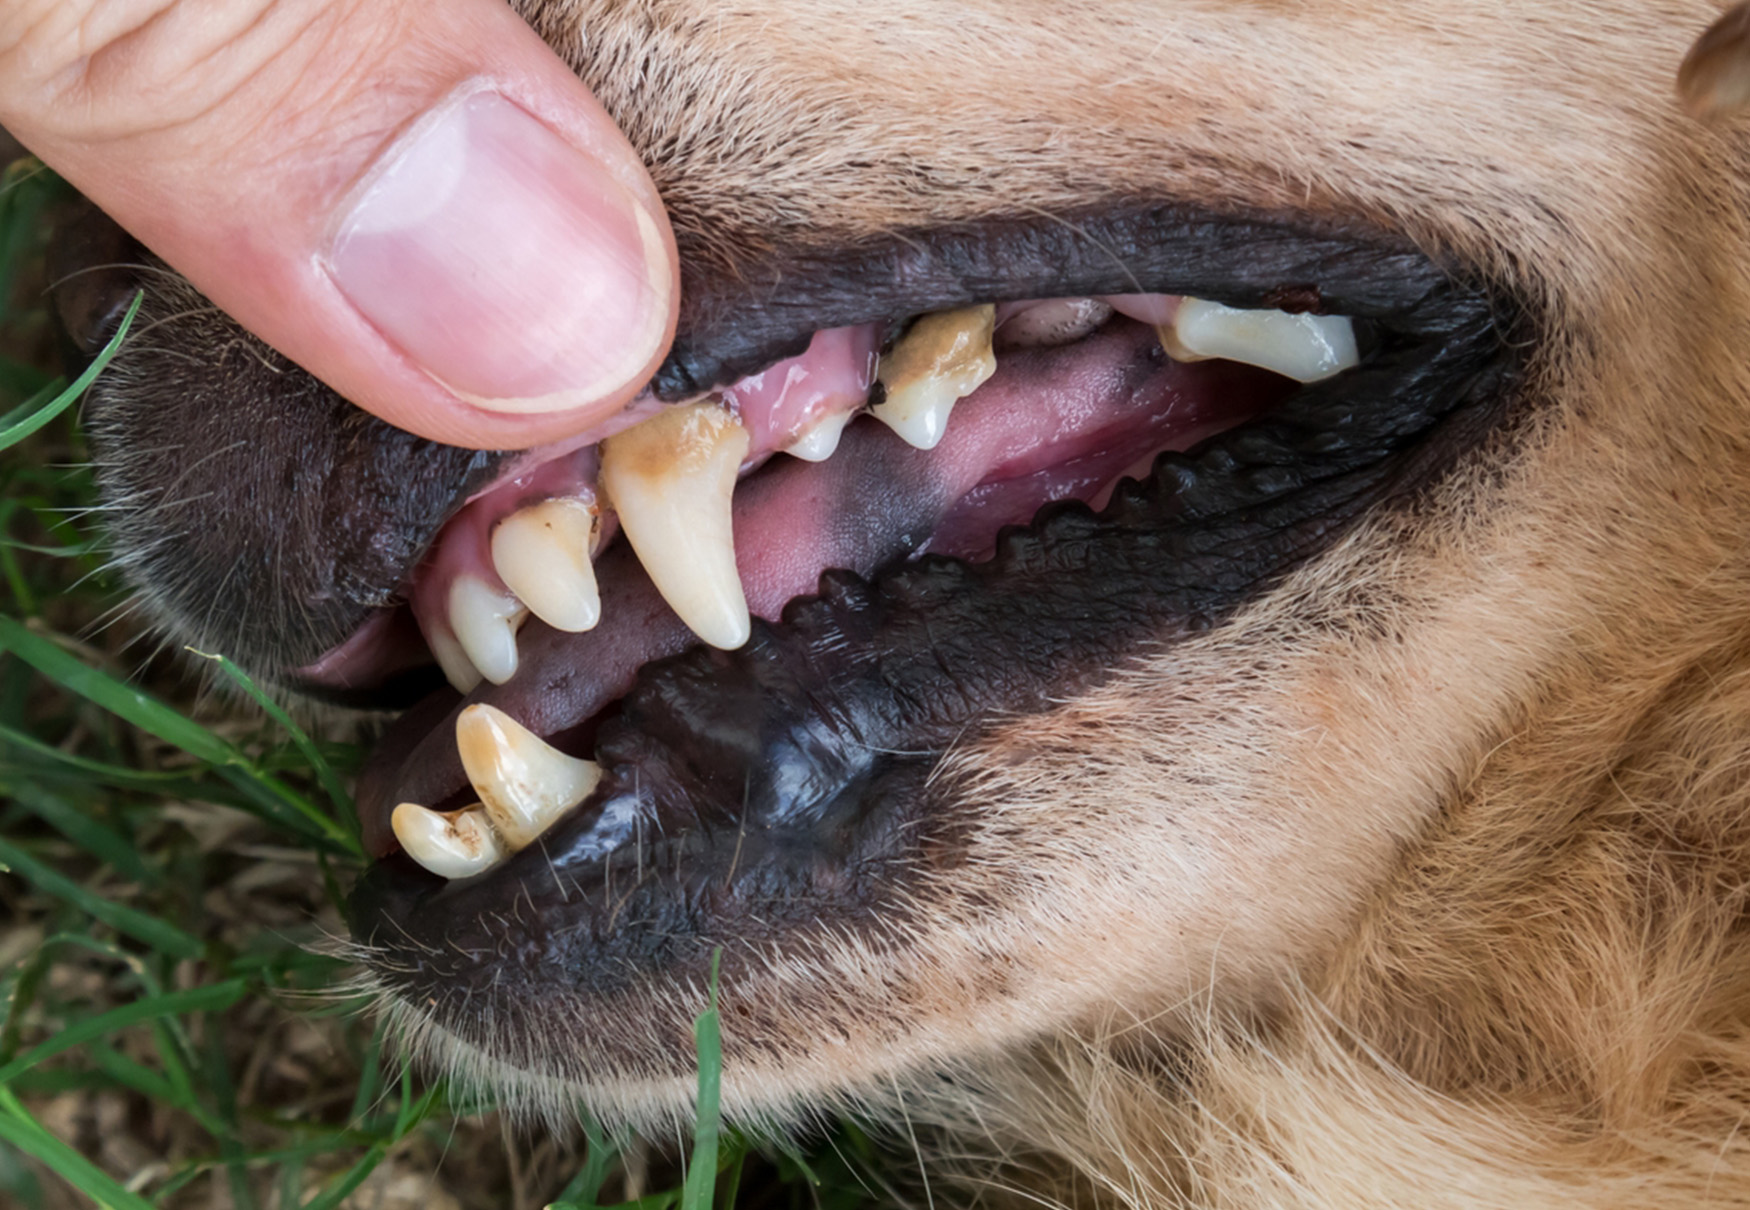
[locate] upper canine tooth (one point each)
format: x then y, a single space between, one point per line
943 358
485 622
542 554
1304 347
672 481
454 845
817 442
524 782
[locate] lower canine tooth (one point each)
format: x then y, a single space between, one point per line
485 622
1304 347
942 359
672 481
542 554
455 845
524 782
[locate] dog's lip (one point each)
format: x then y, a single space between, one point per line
1412 306
755 799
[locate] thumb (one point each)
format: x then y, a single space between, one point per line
414 199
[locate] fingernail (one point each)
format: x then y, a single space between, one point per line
504 261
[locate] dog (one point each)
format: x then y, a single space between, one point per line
1352 808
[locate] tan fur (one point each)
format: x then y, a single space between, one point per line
1428 874
1422 882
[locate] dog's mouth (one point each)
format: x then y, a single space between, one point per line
1059 445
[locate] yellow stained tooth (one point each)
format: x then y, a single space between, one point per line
820 440
941 360
672 482
542 554
458 844
1304 347
524 783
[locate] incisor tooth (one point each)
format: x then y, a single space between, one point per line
524 782
485 622
672 481
1304 347
542 554
454 845
819 440
458 669
944 358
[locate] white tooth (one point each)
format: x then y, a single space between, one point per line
524 782
818 441
458 669
454 845
1304 347
672 480
542 554
485 622
942 359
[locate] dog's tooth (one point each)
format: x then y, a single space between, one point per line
819 440
672 480
485 621
541 552
1304 347
942 359
458 669
457 844
524 782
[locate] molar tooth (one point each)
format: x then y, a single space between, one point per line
1304 347
942 359
672 481
542 554
454 845
524 782
819 440
485 621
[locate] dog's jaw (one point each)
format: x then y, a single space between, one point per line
1242 768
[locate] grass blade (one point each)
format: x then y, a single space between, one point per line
158 934
213 998
46 410
331 783
23 1132
701 1182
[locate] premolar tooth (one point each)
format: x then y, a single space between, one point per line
672 480
485 622
819 440
524 782
454 845
542 554
943 358
1304 347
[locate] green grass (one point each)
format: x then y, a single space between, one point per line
171 1033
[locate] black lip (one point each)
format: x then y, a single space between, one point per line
734 324
753 796
332 509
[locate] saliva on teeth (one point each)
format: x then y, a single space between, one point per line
671 479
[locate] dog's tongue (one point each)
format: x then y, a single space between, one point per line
1050 424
